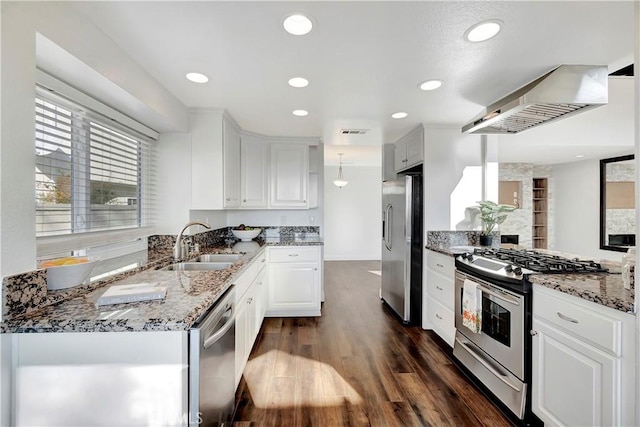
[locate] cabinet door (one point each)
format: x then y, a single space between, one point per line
289 175
261 297
253 172
294 287
241 338
400 155
574 384
231 165
415 148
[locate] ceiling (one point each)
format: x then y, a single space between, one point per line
364 60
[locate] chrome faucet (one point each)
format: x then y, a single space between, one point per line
177 249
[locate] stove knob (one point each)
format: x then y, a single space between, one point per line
470 257
508 268
517 271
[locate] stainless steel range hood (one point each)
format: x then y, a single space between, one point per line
567 90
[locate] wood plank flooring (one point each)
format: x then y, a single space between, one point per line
355 366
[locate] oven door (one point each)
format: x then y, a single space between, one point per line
502 331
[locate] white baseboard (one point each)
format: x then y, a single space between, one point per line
351 257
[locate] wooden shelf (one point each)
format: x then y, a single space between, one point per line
539 229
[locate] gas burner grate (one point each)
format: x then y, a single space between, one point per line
541 262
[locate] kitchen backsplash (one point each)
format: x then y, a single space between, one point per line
448 238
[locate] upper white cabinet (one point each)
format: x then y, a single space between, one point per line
231 169
583 370
207 160
231 151
409 150
254 172
289 175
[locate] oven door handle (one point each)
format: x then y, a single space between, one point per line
502 297
487 365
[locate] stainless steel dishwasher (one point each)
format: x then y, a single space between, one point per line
212 365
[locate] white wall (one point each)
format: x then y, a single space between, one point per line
353 214
577 210
446 155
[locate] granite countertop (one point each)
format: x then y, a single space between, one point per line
602 288
189 295
450 250
605 289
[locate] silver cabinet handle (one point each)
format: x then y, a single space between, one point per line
533 333
438 317
439 288
440 265
244 200
568 319
294 254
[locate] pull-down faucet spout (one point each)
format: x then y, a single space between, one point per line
177 249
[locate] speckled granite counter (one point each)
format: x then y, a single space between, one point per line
449 250
189 295
604 289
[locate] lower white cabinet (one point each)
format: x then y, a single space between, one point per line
295 274
583 362
249 311
439 298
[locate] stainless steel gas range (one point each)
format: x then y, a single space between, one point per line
497 351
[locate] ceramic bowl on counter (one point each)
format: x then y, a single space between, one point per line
246 235
64 273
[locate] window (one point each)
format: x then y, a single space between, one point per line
91 175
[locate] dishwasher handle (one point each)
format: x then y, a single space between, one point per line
209 340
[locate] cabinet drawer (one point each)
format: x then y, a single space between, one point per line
441 263
584 323
294 254
440 288
442 320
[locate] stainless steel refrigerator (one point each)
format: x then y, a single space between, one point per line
402 247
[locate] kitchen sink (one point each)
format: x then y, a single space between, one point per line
194 266
218 258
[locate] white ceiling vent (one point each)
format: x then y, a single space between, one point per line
353 131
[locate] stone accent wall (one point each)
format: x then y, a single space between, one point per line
520 221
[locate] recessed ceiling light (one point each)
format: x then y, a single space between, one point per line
483 31
399 115
197 77
298 82
300 113
430 84
579 156
297 24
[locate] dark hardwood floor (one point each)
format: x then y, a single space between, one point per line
355 366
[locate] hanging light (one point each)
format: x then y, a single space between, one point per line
340 181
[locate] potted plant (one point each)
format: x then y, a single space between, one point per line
491 214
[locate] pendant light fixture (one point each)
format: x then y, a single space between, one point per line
340 181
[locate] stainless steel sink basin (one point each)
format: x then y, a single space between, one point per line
194 266
218 258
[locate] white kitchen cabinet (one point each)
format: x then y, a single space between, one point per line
409 150
249 310
295 274
254 172
289 176
438 309
583 370
231 151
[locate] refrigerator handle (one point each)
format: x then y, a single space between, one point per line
388 215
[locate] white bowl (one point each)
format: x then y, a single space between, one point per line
246 235
68 276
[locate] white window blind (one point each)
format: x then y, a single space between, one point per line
92 176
